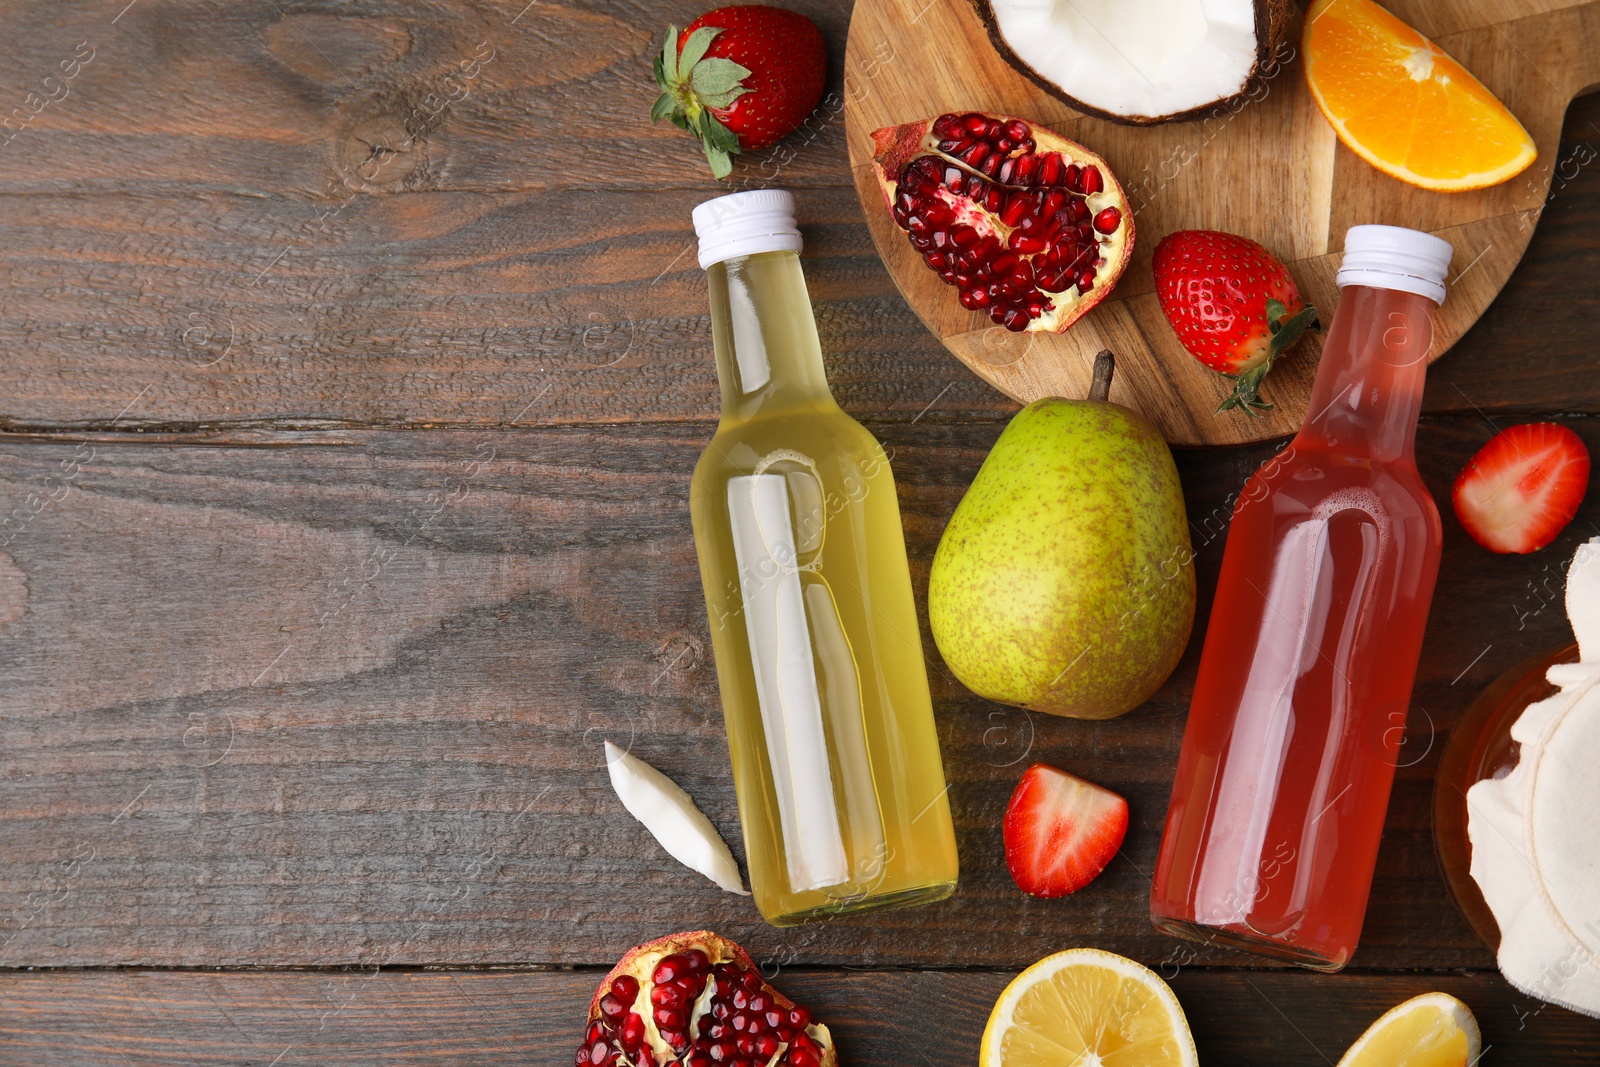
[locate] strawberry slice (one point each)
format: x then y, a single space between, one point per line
1523 487
1061 831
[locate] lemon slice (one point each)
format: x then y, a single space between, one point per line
1433 1030
1087 1008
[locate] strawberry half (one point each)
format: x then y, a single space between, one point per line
1232 304
1523 487
740 78
1061 831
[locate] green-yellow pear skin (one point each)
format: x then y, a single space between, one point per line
1065 582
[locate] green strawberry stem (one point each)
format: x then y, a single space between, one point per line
1285 332
691 86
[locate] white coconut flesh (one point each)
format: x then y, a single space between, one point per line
1135 58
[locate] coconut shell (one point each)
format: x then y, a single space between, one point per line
1274 21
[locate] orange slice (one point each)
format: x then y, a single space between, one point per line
1404 106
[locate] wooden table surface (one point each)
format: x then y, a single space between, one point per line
355 364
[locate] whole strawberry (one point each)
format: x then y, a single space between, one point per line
741 78
1232 304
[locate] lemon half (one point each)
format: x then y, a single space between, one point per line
1087 1008
1433 1030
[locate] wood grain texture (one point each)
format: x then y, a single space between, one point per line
339 699
1271 170
197 234
533 1019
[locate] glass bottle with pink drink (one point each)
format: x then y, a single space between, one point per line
1300 704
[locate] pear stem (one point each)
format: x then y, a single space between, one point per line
1105 364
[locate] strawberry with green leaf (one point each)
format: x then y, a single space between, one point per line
740 78
1233 305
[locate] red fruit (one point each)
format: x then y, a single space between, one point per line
741 78
1030 228
1232 304
1061 831
1523 487
744 1020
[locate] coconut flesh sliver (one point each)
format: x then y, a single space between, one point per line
672 818
1535 853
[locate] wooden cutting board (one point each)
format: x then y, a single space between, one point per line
1273 171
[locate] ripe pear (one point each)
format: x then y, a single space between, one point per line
1064 581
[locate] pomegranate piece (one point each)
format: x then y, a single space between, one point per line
1031 228
697 1000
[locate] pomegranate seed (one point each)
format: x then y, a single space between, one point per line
976 125
1050 169
994 198
990 166
1017 130
804 1057
1086 281
747 1045
1072 176
1012 212
632 1031
974 299
1021 242
1054 201
946 125
1108 220
611 1009
1004 145
1077 210
953 178
974 154
667 996
668 1019
625 987
767 1046
799 1017
668 969
1092 182
1027 165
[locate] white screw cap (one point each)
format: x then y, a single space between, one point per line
742 224
1393 257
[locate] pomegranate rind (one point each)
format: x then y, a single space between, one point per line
895 147
640 962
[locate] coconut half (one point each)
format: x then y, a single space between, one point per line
1139 62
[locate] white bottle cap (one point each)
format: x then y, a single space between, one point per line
742 224
1393 257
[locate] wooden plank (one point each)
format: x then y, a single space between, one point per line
226 261
327 100
355 1019
287 699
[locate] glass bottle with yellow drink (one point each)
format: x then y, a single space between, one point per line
824 688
